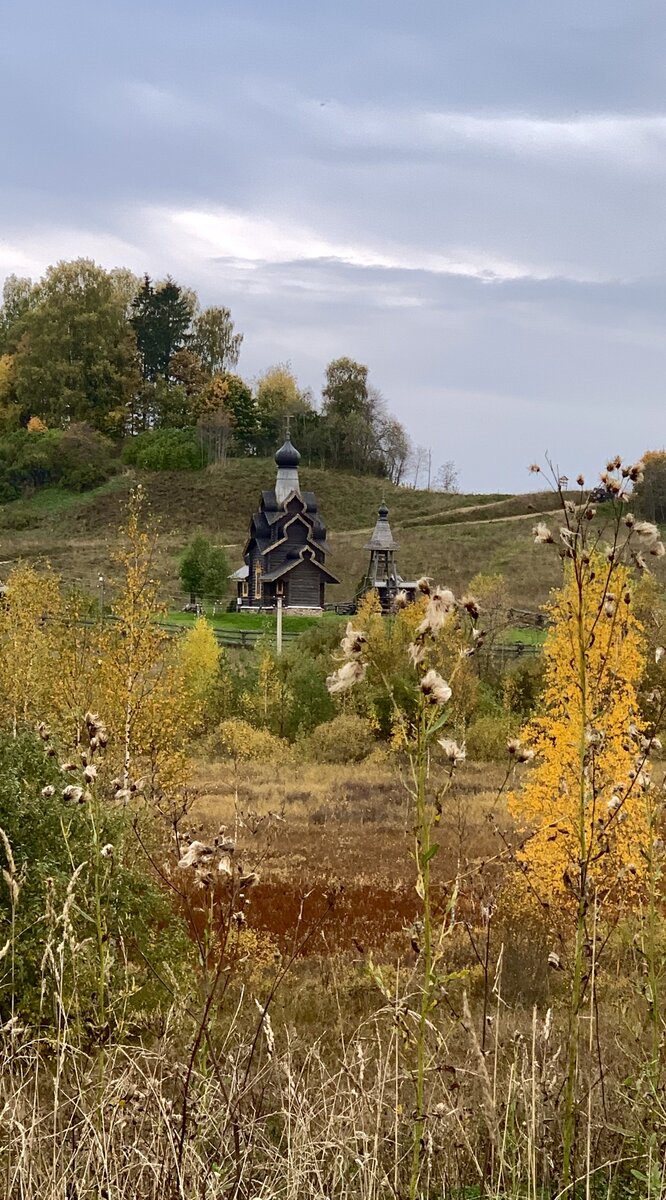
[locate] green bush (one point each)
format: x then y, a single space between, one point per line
164 450
347 738
49 839
487 736
78 458
310 704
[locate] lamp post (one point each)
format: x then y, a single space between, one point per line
101 581
279 625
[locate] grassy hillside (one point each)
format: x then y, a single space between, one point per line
448 537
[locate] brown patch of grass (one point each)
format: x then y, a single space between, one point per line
347 831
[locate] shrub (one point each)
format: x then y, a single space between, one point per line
347 738
48 839
87 458
164 450
487 736
77 459
240 741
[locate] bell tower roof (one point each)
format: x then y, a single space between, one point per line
382 538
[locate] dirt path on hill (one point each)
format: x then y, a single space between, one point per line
553 512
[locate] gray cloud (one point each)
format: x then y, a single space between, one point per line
467 197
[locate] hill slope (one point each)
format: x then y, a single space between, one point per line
450 538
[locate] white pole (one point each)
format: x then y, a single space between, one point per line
279 625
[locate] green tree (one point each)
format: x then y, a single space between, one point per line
650 491
352 413
236 396
216 576
18 296
161 318
396 448
76 359
193 567
204 570
345 389
214 340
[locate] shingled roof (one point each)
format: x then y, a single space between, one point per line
382 538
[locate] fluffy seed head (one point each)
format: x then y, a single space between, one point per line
416 652
198 854
542 534
353 642
455 753
435 689
646 531
346 676
73 794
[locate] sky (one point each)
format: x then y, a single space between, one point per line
467 196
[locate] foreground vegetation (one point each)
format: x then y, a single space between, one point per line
269 927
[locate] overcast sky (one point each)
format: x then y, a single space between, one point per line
467 196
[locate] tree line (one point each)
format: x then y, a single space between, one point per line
127 357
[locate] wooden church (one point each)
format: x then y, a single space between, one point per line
285 554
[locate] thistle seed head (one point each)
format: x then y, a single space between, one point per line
542 534
353 642
435 689
646 531
73 794
346 676
416 653
197 855
456 754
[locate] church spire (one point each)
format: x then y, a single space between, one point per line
287 459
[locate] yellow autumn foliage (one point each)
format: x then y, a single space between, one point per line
29 639
267 701
198 658
581 798
142 693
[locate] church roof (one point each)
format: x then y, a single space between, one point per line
271 576
382 538
287 455
270 506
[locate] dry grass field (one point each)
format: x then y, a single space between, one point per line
320 830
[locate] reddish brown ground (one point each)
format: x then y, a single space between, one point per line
338 841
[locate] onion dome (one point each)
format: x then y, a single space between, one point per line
287 455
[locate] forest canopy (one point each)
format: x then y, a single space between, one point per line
128 357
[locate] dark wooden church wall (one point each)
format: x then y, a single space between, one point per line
304 587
